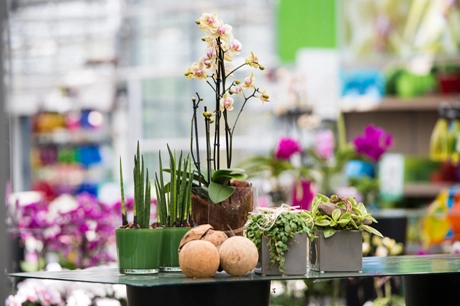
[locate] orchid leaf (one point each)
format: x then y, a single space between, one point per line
219 193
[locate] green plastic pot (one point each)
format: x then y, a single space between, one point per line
169 261
139 250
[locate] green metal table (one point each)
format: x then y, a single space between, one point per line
427 279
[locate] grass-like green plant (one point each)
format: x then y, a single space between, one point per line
174 197
341 213
142 193
279 229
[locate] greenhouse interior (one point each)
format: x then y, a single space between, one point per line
125 114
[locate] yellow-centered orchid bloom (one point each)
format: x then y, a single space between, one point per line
209 21
264 97
199 71
252 60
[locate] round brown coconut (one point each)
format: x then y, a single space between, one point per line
195 233
199 258
215 237
238 255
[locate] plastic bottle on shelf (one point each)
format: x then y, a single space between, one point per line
454 134
439 143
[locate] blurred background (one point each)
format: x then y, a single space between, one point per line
368 90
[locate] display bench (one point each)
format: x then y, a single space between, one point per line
427 280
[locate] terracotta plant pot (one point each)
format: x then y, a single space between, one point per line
229 215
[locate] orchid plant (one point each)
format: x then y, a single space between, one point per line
276 162
370 146
373 143
215 68
329 158
79 229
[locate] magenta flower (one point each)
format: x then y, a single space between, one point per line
373 143
325 144
287 147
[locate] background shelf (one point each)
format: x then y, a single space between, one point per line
396 104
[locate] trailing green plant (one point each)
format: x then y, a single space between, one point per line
341 213
174 197
279 226
142 194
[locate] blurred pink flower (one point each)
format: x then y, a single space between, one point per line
325 144
287 147
374 142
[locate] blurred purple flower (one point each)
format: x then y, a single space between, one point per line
373 143
325 144
287 147
79 228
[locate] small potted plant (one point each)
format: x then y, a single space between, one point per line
337 241
138 244
174 207
281 236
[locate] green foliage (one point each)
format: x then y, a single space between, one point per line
142 193
174 197
346 214
279 231
218 188
260 165
124 215
368 187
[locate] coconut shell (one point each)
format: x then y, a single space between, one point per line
195 233
215 237
238 255
199 258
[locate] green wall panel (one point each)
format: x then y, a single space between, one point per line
305 23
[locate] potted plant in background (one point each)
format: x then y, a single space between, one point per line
281 236
174 207
329 157
221 191
361 171
278 164
338 225
138 245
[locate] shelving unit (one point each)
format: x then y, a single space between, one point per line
425 190
67 154
411 122
395 104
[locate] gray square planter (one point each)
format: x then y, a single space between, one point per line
340 253
295 258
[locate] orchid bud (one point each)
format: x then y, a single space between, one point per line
193 99
261 67
237 82
265 96
197 21
207 114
